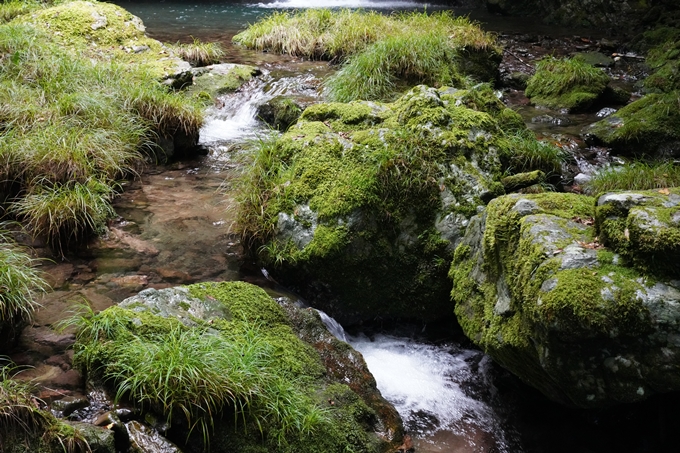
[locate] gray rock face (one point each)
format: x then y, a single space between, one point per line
541 295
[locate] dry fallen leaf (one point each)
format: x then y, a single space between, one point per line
665 191
626 233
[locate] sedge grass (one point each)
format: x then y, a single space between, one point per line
525 154
69 129
634 176
20 281
199 53
382 52
192 375
566 83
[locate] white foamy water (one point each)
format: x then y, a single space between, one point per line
234 117
368 4
425 384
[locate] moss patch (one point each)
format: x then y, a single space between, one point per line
566 84
349 197
532 290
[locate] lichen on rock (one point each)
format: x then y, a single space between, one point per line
536 290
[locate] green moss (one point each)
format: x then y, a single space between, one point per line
365 182
642 127
568 83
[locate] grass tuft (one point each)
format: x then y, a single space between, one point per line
71 126
383 53
567 83
634 176
199 53
20 282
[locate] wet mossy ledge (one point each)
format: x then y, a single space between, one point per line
381 55
82 107
223 364
567 293
359 206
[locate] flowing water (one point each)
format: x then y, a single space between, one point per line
175 228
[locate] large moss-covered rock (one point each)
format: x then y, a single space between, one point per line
536 290
104 31
360 205
327 398
649 126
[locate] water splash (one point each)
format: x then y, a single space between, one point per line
427 385
333 327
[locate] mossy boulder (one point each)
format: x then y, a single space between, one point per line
643 227
537 291
217 79
104 31
359 206
279 112
570 84
647 127
276 392
663 60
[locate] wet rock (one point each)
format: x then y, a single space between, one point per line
280 112
582 179
66 406
522 180
146 440
544 298
100 440
595 59
221 78
648 127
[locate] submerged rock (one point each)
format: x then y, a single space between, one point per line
537 291
284 378
363 203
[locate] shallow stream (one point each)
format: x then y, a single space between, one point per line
175 228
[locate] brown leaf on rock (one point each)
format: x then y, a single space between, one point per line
665 191
588 221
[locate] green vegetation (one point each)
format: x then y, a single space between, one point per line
242 368
25 427
566 84
634 176
383 54
199 53
663 59
20 283
522 296
356 190
77 113
644 127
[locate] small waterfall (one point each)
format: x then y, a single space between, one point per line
430 386
333 327
234 117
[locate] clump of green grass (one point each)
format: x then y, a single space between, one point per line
634 176
20 281
21 421
525 153
70 128
192 375
568 83
384 53
66 212
13 8
199 53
